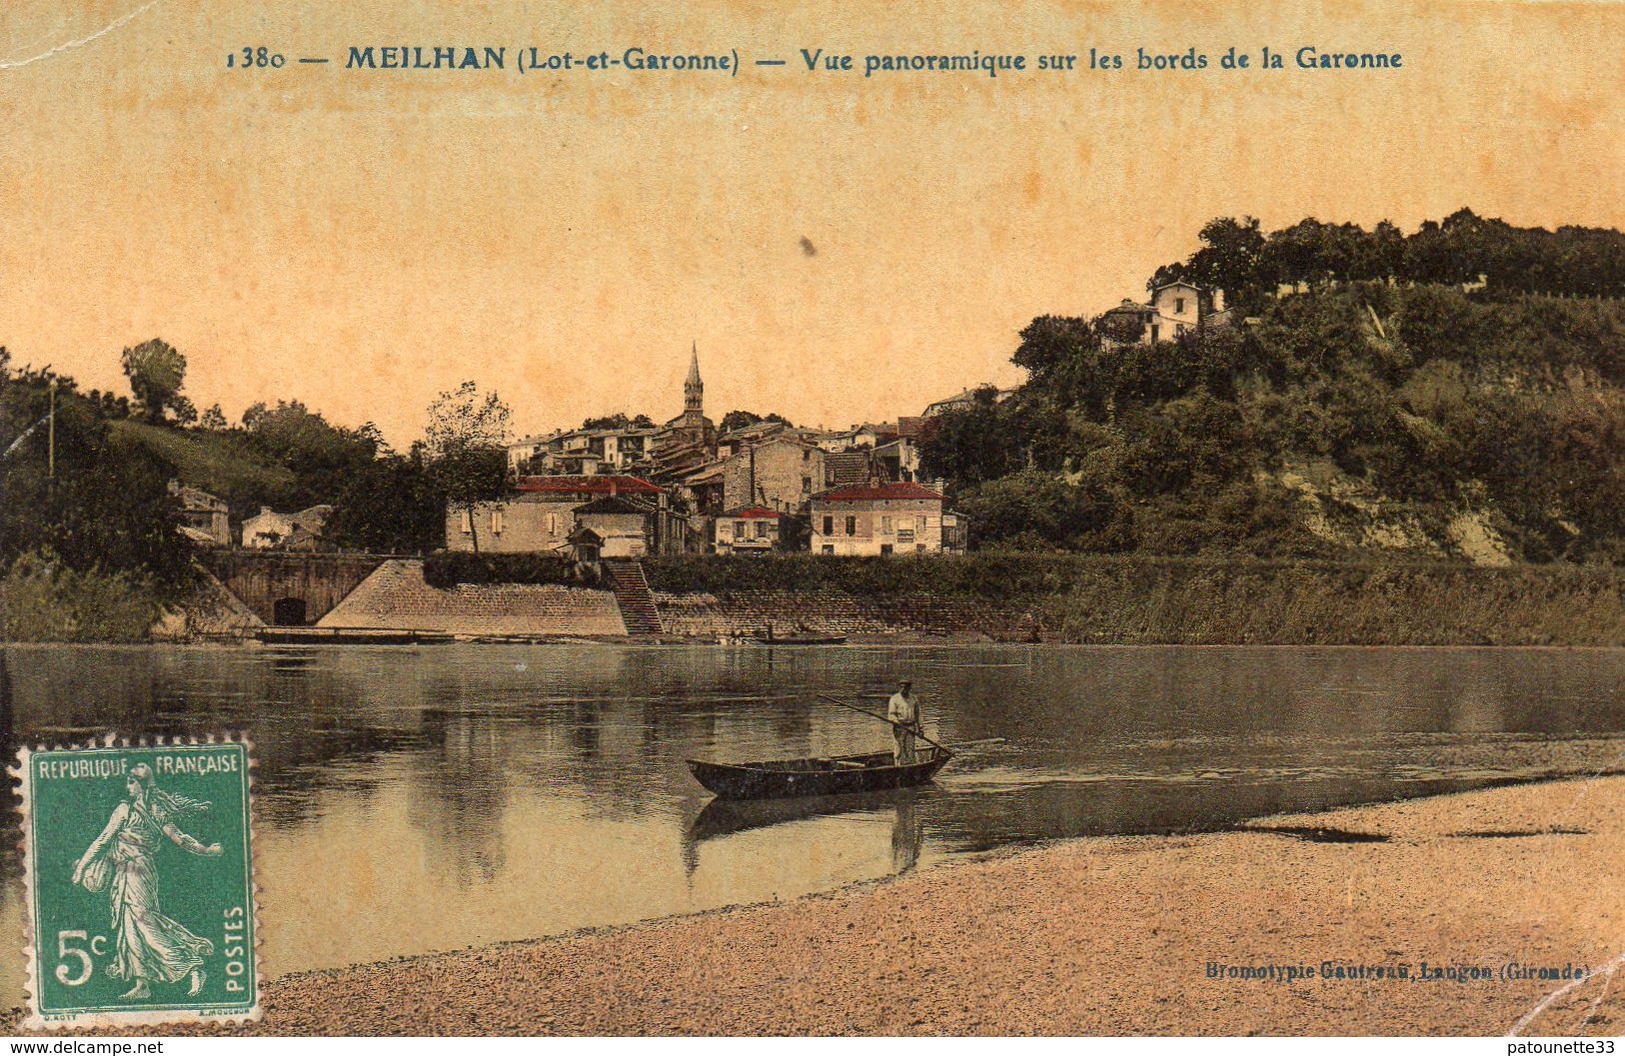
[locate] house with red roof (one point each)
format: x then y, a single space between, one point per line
878 518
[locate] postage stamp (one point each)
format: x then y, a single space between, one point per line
139 883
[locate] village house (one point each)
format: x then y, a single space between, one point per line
546 510
583 452
205 519
893 517
965 400
269 530
1176 308
780 474
750 530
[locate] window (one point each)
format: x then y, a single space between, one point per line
806 485
885 549
1156 333
496 522
468 522
1179 306
828 550
761 529
1179 328
885 524
851 526
905 536
552 524
829 526
805 455
739 529
920 523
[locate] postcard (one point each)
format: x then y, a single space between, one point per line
1042 518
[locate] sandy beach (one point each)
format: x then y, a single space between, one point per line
1094 936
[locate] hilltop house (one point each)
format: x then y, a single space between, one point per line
877 519
1176 308
965 400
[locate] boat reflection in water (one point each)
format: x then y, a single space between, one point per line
722 818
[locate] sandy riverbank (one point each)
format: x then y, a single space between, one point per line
1095 936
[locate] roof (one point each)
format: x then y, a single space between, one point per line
910 427
612 504
596 484
897 489
1177 282
846 467
754 513
711 473
1131 306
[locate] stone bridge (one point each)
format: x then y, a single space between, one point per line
289 589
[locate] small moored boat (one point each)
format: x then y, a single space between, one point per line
781 778
798 639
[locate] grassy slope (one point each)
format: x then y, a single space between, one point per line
213 462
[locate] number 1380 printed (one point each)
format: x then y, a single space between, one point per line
140 884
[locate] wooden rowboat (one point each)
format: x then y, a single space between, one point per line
782 778
798 639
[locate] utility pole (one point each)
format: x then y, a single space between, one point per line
50 446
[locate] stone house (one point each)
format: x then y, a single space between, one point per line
544 513
964 401
750 530
623 526
894 517
269 530
205 519
780 473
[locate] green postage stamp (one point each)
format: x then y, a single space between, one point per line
139 879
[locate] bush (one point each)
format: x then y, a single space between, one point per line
451 567
41 600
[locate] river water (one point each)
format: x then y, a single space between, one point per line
418 799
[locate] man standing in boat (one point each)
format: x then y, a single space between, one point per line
904 716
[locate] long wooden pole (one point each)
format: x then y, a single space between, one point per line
876 715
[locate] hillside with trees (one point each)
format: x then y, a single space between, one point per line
1457 393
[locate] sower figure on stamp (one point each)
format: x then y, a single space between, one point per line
904 715
151 946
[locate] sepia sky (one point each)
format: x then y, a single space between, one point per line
840 248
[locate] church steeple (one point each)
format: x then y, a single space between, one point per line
694 388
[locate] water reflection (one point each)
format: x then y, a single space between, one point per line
414 799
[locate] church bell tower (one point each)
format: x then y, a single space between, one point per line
694 388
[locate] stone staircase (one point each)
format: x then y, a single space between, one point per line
632 594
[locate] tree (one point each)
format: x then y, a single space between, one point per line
465 446
740 419
978 443
156 372
389 506
214 419
106 506
619 420
324 457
